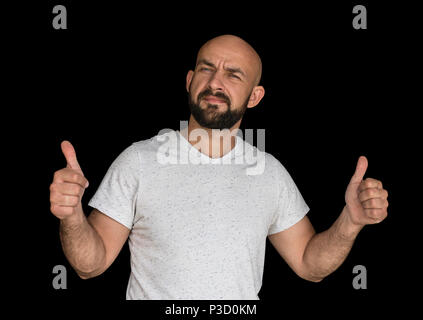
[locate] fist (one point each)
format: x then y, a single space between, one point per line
68 185
366 200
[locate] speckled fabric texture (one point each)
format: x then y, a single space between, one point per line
198 227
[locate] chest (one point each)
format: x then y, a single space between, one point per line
205 203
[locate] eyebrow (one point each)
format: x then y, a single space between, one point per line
229 69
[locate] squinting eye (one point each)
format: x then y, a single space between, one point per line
234 76
205 69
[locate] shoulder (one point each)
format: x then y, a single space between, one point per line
146 150
276 169
269 161
259 162
153 144
275 165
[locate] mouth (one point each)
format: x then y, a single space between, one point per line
214 100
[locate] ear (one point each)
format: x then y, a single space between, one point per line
256 95
190 74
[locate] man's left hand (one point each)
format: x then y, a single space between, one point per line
366 200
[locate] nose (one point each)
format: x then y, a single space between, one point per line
215 82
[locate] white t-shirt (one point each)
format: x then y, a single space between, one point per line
198 225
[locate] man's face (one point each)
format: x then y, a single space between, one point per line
220 86
214 110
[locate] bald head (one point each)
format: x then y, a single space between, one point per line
237 49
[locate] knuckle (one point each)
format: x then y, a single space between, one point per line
54 210
57 174
381 217
53 196
82 182
77 178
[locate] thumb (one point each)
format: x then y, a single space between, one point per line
70 155
360 170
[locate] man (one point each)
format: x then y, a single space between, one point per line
198 230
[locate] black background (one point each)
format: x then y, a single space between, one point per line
117 75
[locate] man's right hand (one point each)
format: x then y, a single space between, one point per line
68 186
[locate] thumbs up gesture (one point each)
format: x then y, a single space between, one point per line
366 200
68 185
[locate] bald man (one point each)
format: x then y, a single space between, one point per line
197 229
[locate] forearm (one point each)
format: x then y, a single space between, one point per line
82 245
327 250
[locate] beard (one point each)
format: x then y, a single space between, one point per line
211 117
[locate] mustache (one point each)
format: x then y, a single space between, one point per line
218 94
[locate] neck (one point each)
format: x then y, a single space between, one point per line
214 143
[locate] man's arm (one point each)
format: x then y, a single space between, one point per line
91 245
82 245
314 256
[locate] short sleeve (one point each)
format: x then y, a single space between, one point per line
291 205
117 194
